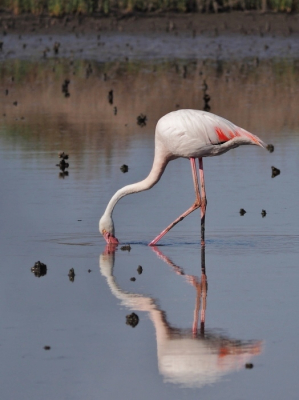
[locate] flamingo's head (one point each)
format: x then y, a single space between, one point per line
106 226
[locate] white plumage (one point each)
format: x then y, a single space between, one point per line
188 134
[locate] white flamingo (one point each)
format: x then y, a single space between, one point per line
189 134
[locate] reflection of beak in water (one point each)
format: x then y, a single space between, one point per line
186 357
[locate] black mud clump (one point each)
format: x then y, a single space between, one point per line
248 365
63 165
139 269
39 269
206 97
242 211
124 168
110 97
56 47
65 88
264 213
275 172
132 320
141 120
71 275
126 247
270 148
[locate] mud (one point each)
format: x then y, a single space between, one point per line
246 23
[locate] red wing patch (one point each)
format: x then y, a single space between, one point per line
221 135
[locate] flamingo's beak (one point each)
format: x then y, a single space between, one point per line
110 239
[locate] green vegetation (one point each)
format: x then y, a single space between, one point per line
106 7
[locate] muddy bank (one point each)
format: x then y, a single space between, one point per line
245 23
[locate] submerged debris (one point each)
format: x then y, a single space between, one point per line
139 269
270 148
133 279
141 120
71 275
264 213
124 168
275 172
248 365
126 247
47 347
242 211
39 269
132 320
63 174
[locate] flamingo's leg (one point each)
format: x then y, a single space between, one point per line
203 200
195 206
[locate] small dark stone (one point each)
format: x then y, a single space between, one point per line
141 120
39 269
15 103
47 347
264 213
71 275
126 247
133 279
115 110
6 92
242 211
248 365
124 168
89 271
270 148
275 172
139 269
132 320
1 46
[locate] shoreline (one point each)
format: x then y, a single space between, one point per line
235 22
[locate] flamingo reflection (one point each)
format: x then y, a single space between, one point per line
188 357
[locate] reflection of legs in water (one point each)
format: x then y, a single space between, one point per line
200 304
200 286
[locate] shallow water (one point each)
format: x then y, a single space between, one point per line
251 262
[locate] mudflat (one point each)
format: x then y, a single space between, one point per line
243 22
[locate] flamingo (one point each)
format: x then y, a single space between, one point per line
189 134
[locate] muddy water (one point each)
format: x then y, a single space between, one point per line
251 263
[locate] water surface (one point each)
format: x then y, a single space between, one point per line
251 262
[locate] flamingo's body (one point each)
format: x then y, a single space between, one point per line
188 134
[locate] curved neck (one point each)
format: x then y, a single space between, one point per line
159 165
